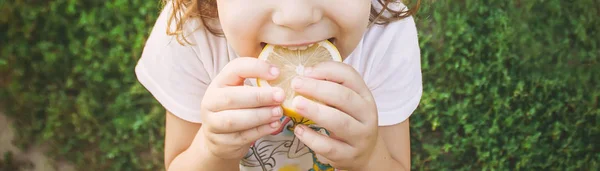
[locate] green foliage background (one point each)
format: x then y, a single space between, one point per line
508 84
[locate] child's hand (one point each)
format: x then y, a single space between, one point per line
233 115
349 113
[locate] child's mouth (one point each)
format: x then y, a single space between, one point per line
332 40
301 47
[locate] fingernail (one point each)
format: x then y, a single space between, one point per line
274 124
299 130
277 111
278 96
299 103
296 83
308 70
274 71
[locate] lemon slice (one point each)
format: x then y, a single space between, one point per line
291 63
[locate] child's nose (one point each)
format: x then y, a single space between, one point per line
296 14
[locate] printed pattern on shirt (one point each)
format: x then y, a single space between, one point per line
282 151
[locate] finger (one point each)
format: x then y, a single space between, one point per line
340 73
229 121
254 134
238 97
247 136
329 118
329 148
237 70
333 94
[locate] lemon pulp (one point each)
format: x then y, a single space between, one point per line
292 63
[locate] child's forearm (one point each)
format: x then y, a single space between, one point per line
381 159
198 158
383 163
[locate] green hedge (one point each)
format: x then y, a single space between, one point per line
71 82
508 84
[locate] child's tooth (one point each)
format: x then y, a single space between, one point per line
311 45
297 47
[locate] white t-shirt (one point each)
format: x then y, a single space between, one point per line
387 57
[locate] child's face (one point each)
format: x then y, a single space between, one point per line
249 23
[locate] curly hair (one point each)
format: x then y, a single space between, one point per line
205 10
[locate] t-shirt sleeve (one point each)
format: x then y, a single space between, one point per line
173 73
394 76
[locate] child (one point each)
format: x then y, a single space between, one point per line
201 54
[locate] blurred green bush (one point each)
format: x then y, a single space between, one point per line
509 85
70 82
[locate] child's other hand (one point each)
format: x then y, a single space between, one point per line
349 113
234 115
